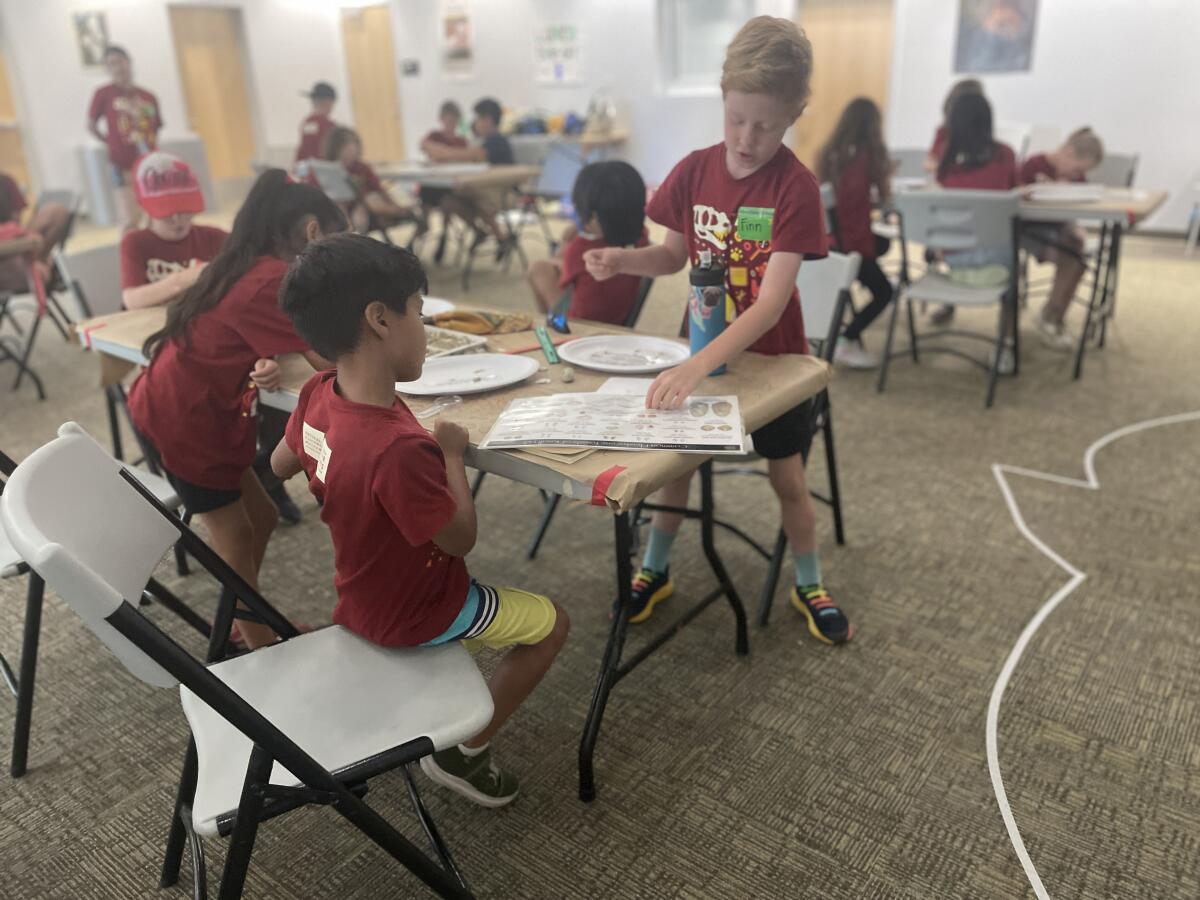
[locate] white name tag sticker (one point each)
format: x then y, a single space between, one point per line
316 447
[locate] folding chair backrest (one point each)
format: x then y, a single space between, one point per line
954 220
1115 170
824 285
1016 135
68 198
635 311
829 204
83 528
333 179
910 163
95 276
560 168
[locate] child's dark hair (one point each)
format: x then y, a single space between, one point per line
614 192
116 50
969 141
332 281
336 141
487 108
271 222
859 130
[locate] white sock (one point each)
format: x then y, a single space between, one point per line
473 751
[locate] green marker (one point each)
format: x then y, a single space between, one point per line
543 337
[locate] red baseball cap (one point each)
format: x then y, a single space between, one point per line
164 186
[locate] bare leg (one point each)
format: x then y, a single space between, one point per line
519 672
50 221
673 494
128 210
239 534
1068 271
795 505
543 278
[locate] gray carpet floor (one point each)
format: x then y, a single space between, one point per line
799 771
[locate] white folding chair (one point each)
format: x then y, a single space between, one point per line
13 565
1017 135
305 721
909 163
1116 170
948 221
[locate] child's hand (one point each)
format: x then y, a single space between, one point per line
452 438
603 262
671 388
265 375
187 277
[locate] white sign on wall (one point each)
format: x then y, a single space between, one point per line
557 53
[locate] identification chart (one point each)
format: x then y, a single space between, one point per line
618 422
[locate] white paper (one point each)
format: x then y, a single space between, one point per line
619 422
619 384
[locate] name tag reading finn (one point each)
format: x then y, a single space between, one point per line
754 223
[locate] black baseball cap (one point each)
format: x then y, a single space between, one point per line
322 90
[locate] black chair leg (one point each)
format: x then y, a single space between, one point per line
912 333
835 494
23 362
177 833
887 344
772 582
25 682
544 525
477 483
114 423
241 842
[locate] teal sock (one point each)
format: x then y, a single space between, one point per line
808 568
658 550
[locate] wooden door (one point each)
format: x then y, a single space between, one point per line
852 57
371 62
12 148
211 57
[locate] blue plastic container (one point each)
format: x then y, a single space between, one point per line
706 308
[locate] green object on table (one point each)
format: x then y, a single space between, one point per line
543 337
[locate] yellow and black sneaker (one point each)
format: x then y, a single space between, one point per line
826 622
648 590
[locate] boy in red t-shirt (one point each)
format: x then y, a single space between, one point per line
317 124
132 123
610 205
710 204
162 261
395 497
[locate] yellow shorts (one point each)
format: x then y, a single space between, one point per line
519 618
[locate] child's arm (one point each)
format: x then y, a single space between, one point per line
666 258
284 463
671 388
457 536
444 153
156 293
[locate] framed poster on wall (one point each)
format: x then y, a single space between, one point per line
995 35
91 34
458 39
557 53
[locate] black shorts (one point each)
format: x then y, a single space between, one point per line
431 196
787 435
196 498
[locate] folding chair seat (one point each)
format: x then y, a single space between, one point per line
950 221
323 711
12 565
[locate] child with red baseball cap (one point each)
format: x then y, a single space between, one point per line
160 262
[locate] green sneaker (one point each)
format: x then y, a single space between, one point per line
475 777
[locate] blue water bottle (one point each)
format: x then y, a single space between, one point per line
706 308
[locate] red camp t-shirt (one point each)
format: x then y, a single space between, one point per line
1039 164
997 174
853 213
14 200
381 480
600 301
312 135
701 200
132 119
147 258
437 136
364 178
195 401
939 142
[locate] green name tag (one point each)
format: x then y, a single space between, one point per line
754 223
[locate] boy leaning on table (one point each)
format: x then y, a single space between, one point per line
395 497
749 205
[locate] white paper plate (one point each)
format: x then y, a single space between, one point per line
1067 193
624 354
435 306
475 373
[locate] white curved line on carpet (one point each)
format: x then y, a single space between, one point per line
1092 483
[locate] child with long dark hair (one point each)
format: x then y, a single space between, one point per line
196 404
855 160
610 206
938 147
345 146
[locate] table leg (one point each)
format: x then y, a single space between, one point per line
1109 304
1091 307
612 656
742 640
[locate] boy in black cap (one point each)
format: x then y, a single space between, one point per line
318 124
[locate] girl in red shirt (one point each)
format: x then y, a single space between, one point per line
345 146
965 86
196 403
855 161
610 204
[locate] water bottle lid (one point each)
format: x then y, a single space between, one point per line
710 277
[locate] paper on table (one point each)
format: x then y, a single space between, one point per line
620 384
618 421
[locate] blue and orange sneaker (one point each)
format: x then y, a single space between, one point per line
649 589
826 622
